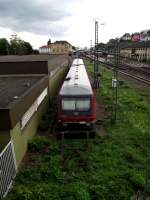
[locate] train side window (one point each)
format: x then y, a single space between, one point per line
83 105
68 104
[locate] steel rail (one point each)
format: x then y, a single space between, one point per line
129 74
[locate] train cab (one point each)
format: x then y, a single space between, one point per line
76 100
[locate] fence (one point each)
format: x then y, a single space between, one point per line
8 168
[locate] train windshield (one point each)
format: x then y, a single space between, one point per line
68 104
83 105
75 104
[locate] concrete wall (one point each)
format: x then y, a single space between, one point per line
20 137
28 67
126 52
148 53
143 53
56 81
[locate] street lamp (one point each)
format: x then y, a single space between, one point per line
96 82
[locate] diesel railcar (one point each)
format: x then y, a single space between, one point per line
76 100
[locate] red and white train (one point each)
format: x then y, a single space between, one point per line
76 100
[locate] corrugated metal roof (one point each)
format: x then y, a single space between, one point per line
12 88
77 81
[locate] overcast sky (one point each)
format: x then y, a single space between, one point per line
73 20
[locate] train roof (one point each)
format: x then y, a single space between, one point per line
76 82
77 61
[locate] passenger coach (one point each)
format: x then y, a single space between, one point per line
76 100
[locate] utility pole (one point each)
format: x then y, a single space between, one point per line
96 80
115 81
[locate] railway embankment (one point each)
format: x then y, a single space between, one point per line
117 166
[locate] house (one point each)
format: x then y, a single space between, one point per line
58 47
138 50
61 47
126 37
145 35
135 37
45 49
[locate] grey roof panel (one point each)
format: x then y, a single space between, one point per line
12 88
77 81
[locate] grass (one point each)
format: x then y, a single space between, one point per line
117 166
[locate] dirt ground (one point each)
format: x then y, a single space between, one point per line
100 115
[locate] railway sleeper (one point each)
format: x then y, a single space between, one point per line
75 132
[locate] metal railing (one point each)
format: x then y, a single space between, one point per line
8 168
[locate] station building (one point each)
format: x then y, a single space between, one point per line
27 83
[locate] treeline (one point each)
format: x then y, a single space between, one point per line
16 46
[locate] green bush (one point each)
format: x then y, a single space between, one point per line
21 192
26 174
35 192
45 122
138 179
38 144
74 191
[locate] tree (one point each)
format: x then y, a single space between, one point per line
35 51
125 38
4 46
14 44
19 46
101 46
49 42
112 43
27 48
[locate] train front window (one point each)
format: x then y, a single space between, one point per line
76 104
68 105
83 105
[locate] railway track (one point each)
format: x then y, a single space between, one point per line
139 70
141 79
130 73
140 74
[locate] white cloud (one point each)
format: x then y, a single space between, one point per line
72 20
